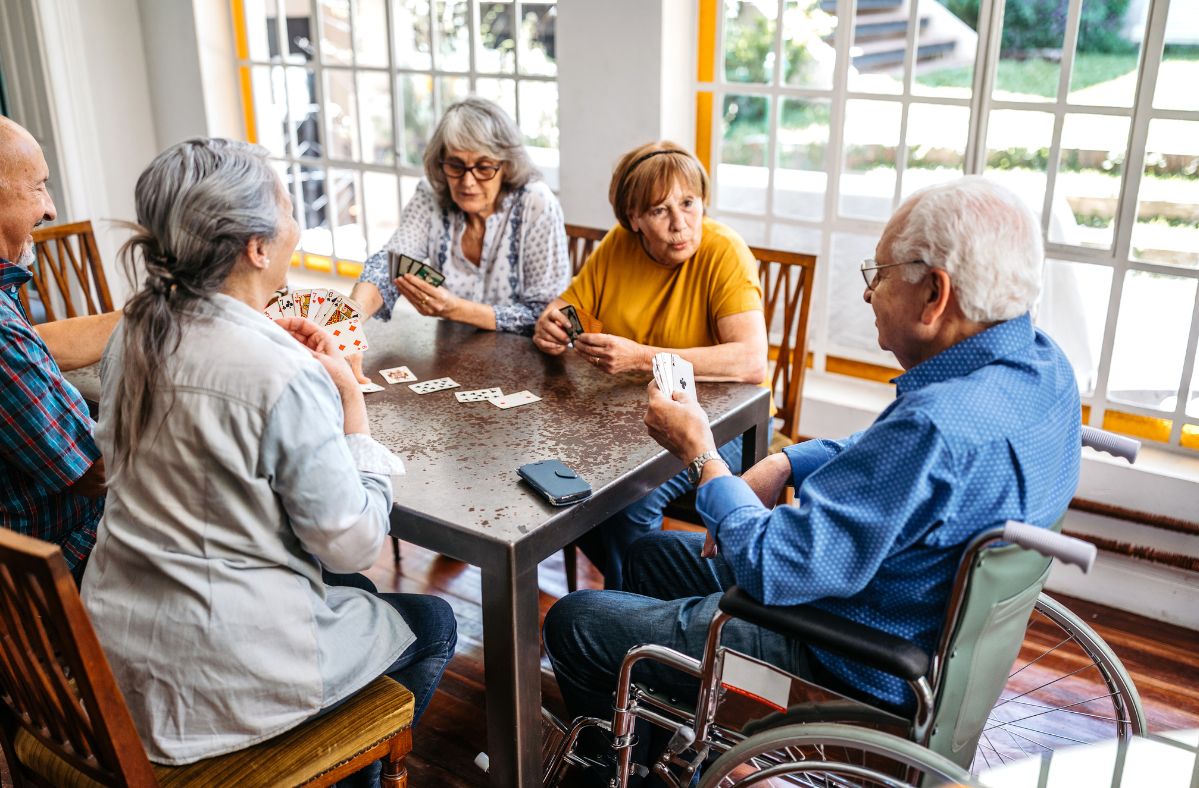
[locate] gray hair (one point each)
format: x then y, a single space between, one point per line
984 237
199 204
476 124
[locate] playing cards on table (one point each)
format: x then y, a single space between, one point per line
674 373
338 314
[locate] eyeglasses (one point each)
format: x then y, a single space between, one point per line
482 172
869 265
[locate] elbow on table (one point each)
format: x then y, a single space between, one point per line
755 371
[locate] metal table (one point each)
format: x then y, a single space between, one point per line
462 497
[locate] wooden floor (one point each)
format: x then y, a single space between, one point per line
1161 658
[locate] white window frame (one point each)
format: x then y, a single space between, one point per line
980 103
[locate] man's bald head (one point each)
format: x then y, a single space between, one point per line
24 201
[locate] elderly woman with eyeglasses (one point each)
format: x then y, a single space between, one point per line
482 216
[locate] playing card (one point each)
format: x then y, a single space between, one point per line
397 375
683 377
400 264
348 336
662 376
286 305
370 388
576 325
429 386
514 400
429 274
272 309
590 324
310 303
478 395
339 308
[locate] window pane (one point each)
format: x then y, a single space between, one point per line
261 33
809 57
370 32
1179 71
1090 167
753 232
946 43
793 238
1193 398
270 108
453 35
411 20
1167 228
299 34
1018 152
340 110
1151 338
380 201
419 122
742 169
1073 311
868 173
497 29
853 329
452 89
335 32
539 113
501 91
315 237
876 57
936 145
1032 33
1105 59
349 233
800 180
374 103
749 40
537 55
305 112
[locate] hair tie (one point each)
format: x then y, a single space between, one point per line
624 179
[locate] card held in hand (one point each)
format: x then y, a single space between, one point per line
348 337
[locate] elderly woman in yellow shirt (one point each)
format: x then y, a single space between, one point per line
665 278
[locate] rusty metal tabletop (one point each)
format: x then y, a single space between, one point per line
461 495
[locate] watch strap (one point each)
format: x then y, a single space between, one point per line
695 468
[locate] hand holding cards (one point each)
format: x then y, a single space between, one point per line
338 314
580 322
674 373
403 264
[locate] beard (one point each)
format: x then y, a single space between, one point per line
28 257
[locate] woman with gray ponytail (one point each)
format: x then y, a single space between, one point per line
241 465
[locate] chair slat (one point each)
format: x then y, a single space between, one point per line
68 275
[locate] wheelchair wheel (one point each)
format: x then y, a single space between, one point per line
829 754
1067 687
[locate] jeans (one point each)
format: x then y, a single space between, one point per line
421 665
606 544
670 596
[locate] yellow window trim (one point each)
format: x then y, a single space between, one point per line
241 45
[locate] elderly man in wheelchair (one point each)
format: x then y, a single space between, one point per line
984 429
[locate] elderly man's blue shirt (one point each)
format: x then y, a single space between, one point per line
984 432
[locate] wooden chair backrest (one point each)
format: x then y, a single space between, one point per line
580 243
54 679
68 272
787 279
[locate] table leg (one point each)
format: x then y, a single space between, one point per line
755 442
512 667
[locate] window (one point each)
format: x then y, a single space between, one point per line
818 117
345 94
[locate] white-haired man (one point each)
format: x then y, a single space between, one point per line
984 428
51 474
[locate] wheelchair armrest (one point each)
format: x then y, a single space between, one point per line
814 627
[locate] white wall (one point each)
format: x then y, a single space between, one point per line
620 84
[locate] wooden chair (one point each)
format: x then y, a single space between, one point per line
787 279
67 274
63 720
580 243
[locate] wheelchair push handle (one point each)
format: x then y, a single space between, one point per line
1066 549
1110 442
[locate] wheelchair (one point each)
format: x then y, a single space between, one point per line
976 705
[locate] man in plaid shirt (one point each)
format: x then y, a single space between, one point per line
51 473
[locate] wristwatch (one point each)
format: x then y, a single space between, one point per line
695 468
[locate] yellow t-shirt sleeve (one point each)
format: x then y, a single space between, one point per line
737 288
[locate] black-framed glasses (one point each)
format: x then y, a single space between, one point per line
870 264
482 171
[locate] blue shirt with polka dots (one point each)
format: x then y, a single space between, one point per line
985 431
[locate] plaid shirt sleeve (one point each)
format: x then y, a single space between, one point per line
45 429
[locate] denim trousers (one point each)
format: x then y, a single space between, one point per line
670 595
421 665
607 544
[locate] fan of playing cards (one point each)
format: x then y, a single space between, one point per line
673 373
338 314
403 264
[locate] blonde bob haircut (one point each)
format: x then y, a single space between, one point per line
645 175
